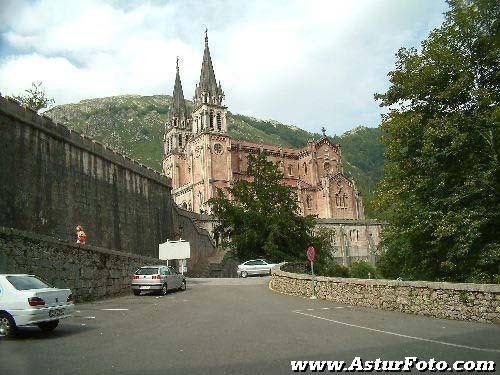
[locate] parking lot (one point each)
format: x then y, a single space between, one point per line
234 326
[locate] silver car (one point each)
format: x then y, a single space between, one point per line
255 267
157 278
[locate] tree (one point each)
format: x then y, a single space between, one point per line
441 190
262 217
35 97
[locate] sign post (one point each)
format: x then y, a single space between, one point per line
311 253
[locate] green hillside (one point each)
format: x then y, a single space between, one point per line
135 124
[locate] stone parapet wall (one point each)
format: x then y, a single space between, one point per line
473 302
90 272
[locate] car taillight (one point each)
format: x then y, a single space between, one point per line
136 277
36 301
70 298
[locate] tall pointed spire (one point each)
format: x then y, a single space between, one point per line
178 110
207 90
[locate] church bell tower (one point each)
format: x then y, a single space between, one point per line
178 128
209 114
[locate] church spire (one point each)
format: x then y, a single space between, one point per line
207 90
178 113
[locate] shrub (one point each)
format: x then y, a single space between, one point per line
361 269
333 269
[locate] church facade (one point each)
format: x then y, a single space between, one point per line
200 156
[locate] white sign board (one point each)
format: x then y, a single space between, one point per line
174 250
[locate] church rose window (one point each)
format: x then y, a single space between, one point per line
218 148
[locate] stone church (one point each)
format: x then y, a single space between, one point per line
200 157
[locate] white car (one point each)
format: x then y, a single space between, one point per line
255 267
27 300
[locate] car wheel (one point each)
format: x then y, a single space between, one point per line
164 290
48 326
244 274
183 285
7 325
136 292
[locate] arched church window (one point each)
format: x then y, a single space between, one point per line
180 140
184 205
305 168
211 115
326 166
290 170
219 122
186 140
344 200
309 201
337 200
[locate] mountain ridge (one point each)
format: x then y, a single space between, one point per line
135 124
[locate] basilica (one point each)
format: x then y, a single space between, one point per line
200 156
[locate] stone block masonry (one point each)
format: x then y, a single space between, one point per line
52 178
90 272
473 302
200 240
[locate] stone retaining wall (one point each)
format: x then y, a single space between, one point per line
53 178
90 272
474 302
202 244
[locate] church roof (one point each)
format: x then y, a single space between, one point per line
325 139
178 103
208 83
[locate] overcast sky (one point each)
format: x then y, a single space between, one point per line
308 63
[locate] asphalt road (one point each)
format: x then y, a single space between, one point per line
234 326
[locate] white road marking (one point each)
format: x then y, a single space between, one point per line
401 335
89 317
310 309
114 309
325 308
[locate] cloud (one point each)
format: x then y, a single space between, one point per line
312 63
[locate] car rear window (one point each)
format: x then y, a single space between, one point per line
26 282
147 271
